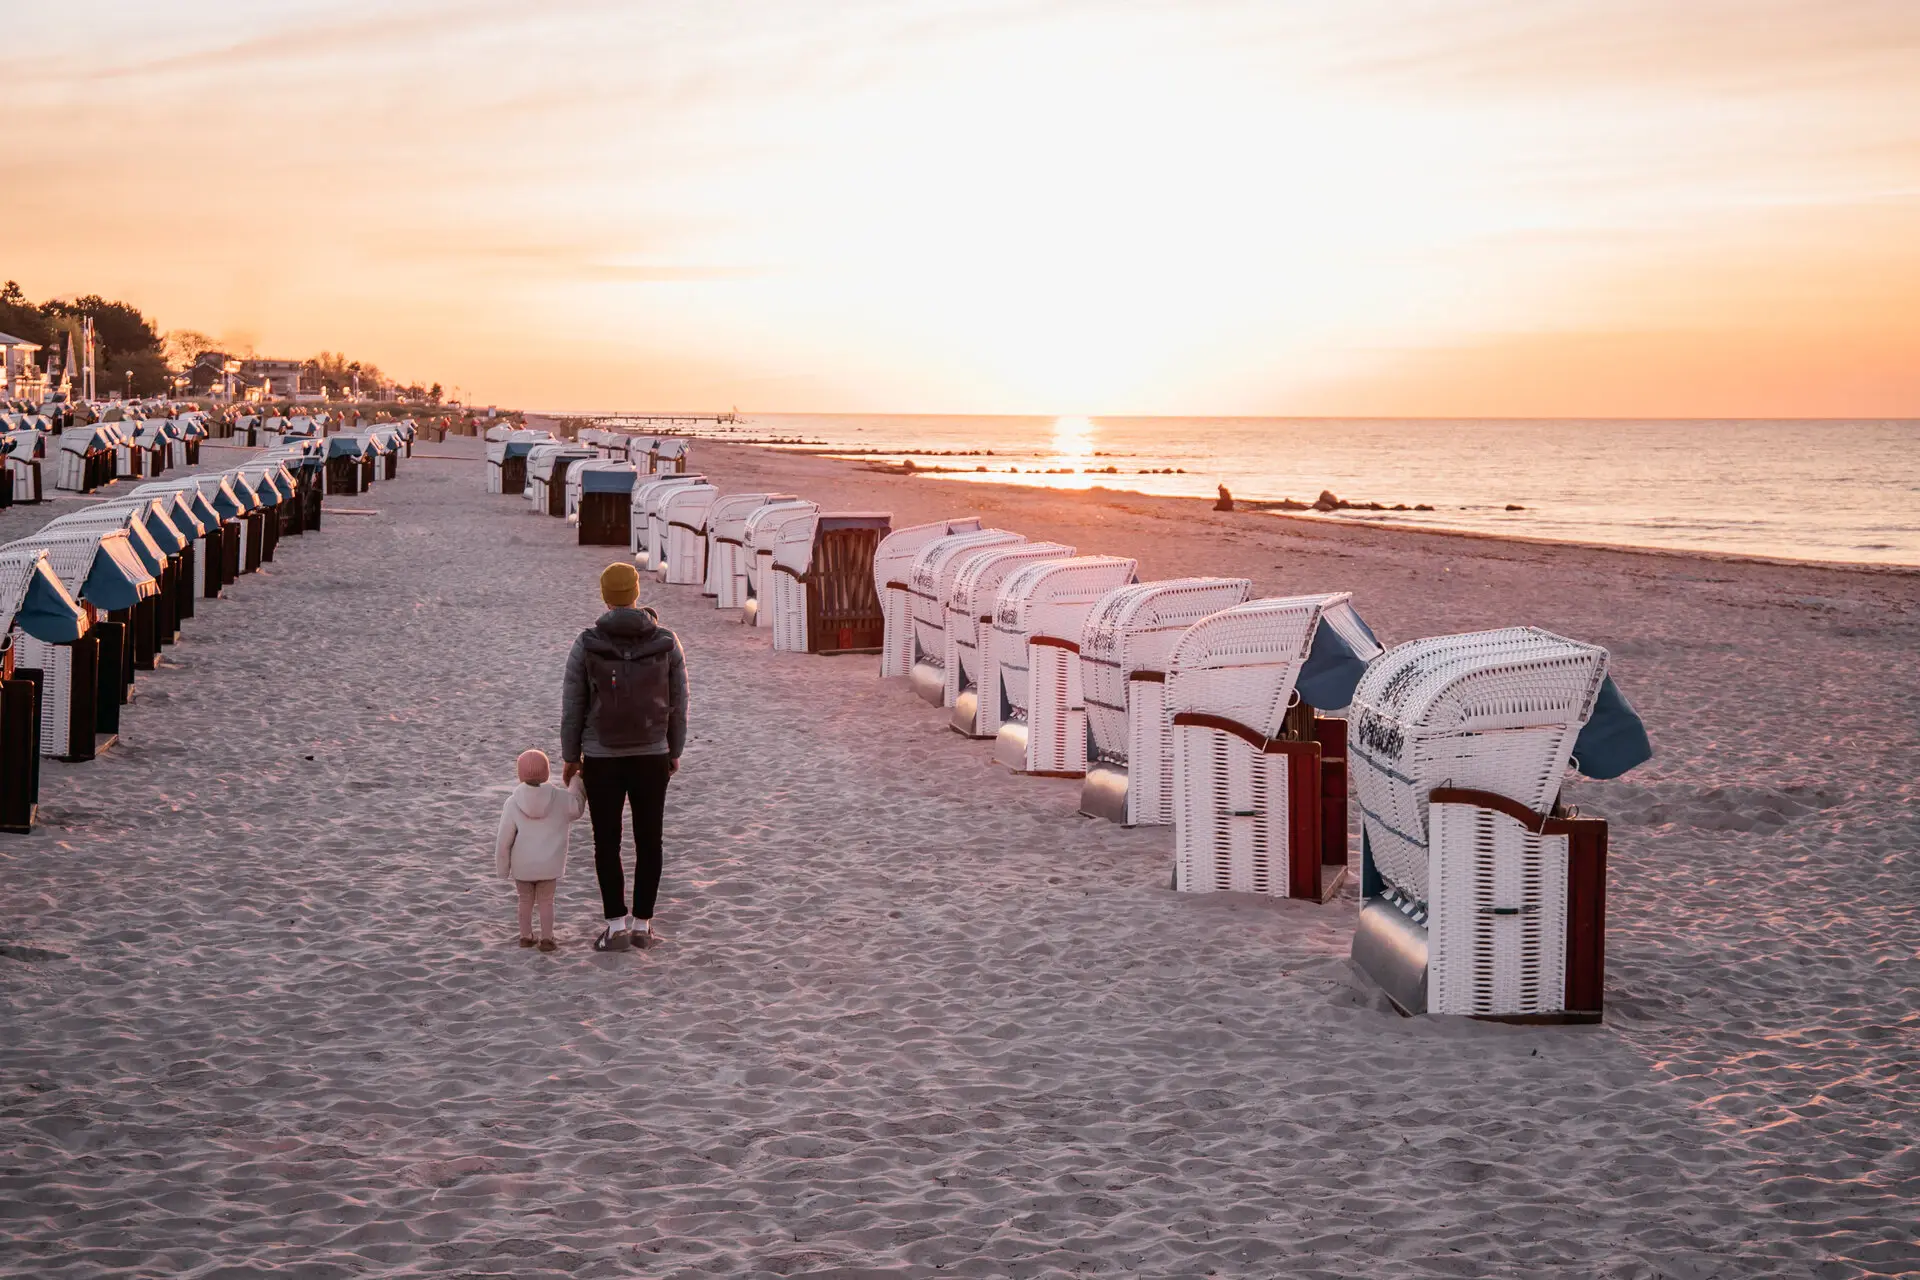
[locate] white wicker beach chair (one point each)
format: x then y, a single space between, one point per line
225 498
1125 651
1480 898
83 459
1259 781
507 470
763 531
649 540
683 518
22 455
101 569
162 547
1037 624
548 466
209 546
727 545
41 624
177 503
929 583
670 455
821 571
970 663
643 484
253 520
891 564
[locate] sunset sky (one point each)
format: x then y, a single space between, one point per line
1433 207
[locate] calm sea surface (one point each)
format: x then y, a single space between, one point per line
1813 490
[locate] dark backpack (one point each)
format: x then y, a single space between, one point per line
632 697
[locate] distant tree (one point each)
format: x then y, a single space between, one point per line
118 327
435 394
151 376
184 346
21 318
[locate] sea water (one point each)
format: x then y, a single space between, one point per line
1837 490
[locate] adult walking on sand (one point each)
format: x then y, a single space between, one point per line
623 724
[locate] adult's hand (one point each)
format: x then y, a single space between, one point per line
567 771
673 765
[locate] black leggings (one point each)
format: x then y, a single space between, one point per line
611 782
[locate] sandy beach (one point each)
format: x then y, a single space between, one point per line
262 1011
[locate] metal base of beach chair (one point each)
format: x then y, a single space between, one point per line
966 714
929 681
1104 793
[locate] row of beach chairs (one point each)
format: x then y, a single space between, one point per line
1248 725
36 456
356 460
1251 726
93 598
550 472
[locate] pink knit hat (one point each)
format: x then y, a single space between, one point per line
534 768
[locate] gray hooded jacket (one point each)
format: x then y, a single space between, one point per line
627 633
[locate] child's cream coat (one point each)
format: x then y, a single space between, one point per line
533 830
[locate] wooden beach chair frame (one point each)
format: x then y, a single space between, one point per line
824 600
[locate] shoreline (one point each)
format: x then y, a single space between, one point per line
1246 507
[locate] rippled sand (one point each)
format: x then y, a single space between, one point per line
263 1011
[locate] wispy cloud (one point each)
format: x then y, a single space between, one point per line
989 202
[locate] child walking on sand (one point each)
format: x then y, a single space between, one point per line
532 848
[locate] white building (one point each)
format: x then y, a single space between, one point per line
22 379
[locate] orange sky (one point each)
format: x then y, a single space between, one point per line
1081 206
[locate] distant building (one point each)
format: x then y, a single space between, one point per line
23 378
211 375
279 379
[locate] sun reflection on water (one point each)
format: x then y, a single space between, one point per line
1073 442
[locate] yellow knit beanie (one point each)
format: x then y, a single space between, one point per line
619 585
